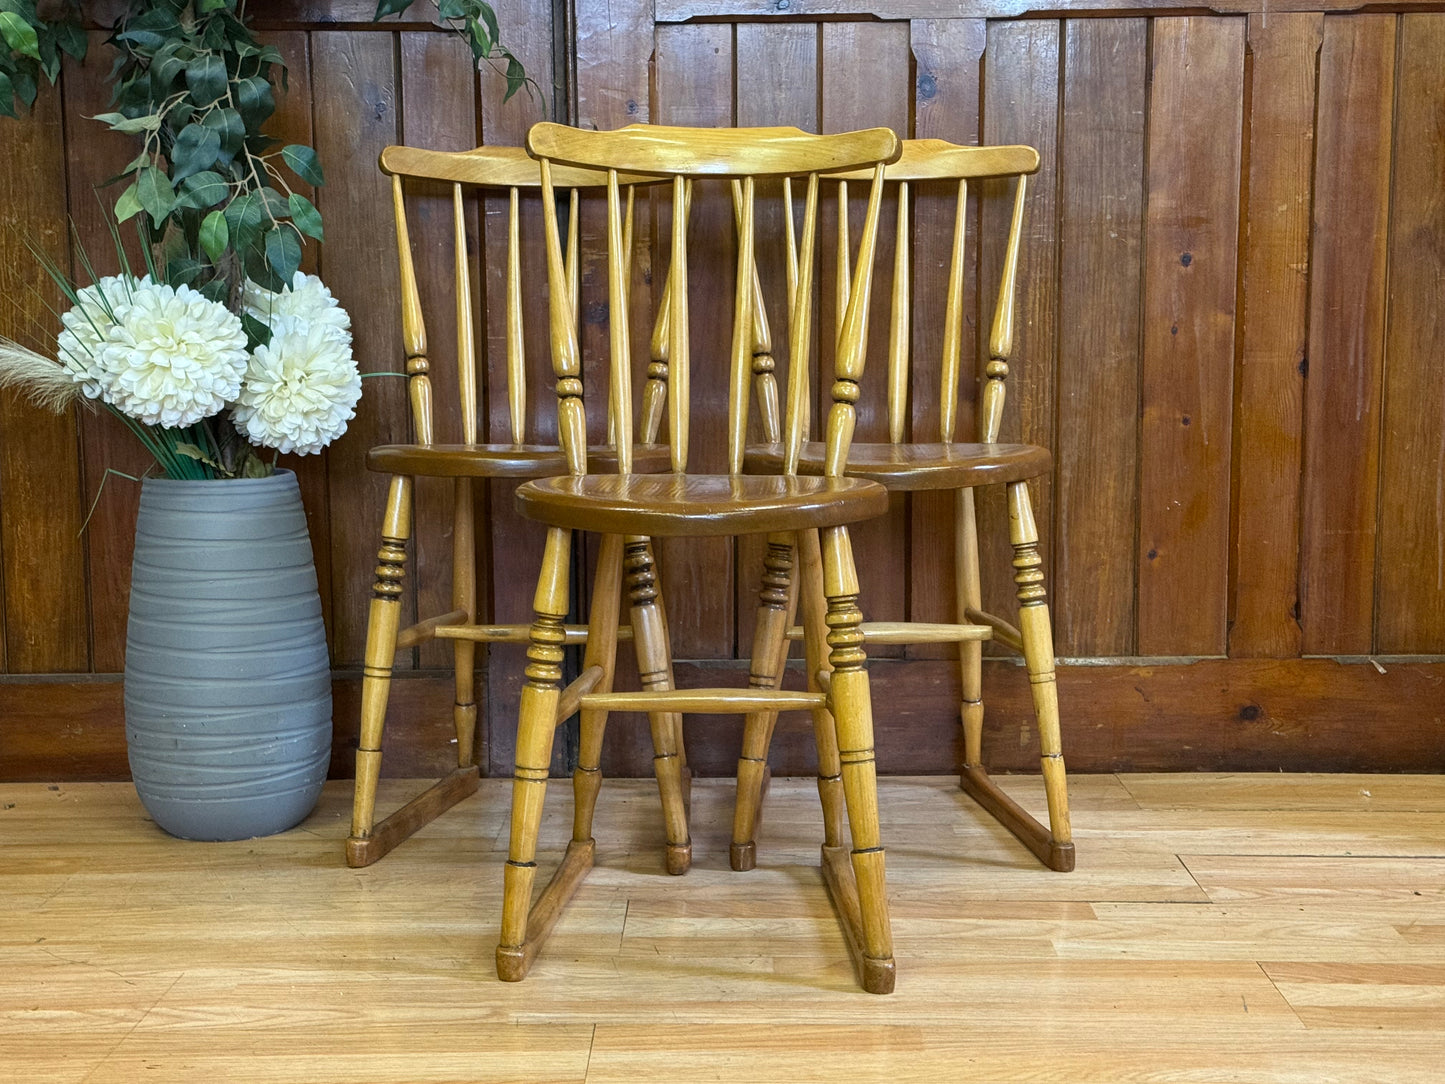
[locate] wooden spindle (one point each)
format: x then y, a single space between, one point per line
466 328
800 333
951 366
413 328
566 363
1001 338
620 398
844 267
678 348
899 325
741 369
516 343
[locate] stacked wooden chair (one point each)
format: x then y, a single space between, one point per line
518 454
903 464
803 514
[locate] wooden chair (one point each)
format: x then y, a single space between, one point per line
903 465
503 171
628 509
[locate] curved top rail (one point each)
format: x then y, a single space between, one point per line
939 160
491 167
719 152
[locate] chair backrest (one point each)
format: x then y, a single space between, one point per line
937 160
741 155
502 171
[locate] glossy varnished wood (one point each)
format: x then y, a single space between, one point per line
1260 927
905 467
699 505
501 460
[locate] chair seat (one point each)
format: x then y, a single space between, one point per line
696 505
502 460
917 466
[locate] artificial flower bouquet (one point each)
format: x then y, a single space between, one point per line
202 387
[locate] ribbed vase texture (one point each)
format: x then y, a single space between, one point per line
227 680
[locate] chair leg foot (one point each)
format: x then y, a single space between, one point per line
975 782
875 974
420 811
743 856
679 858
514 961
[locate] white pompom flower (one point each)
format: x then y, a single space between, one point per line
174 358
307 298
83 328
300 389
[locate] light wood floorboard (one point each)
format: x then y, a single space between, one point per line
1218 928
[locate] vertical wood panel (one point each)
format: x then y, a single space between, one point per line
354 73
1021 105
93 155
864 83
1102 167
1410 605
694 85
949 56
1189 286
1346 338
1264 593
43 608
292 123
433 115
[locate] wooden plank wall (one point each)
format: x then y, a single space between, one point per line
1230 323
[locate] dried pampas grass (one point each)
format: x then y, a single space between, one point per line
42 380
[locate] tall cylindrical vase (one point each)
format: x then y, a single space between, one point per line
227 679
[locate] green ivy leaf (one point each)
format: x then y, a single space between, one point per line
255 100
206 78
232 129
128 205
153 189
205 7
71 39
390 7
19 34
24 84
258 333
203 190
119 122
215 235
303 163
195 149
283 251
7 96
306 216
516 77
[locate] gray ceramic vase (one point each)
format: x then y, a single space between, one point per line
227 679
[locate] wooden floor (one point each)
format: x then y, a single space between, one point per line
1218 928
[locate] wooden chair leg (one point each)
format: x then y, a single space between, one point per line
777 604
815 643
1053 845
856 883
601 652
654 666
370 841
524 926
969 595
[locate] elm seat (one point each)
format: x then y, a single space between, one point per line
699 505
501 460
906 467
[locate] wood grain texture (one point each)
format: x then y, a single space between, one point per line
1339 505
1100 247
1190 249
1270 374
768 10
948 54
1410 584
1021 105
356 72
43 605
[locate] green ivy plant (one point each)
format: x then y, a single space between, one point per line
214 195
